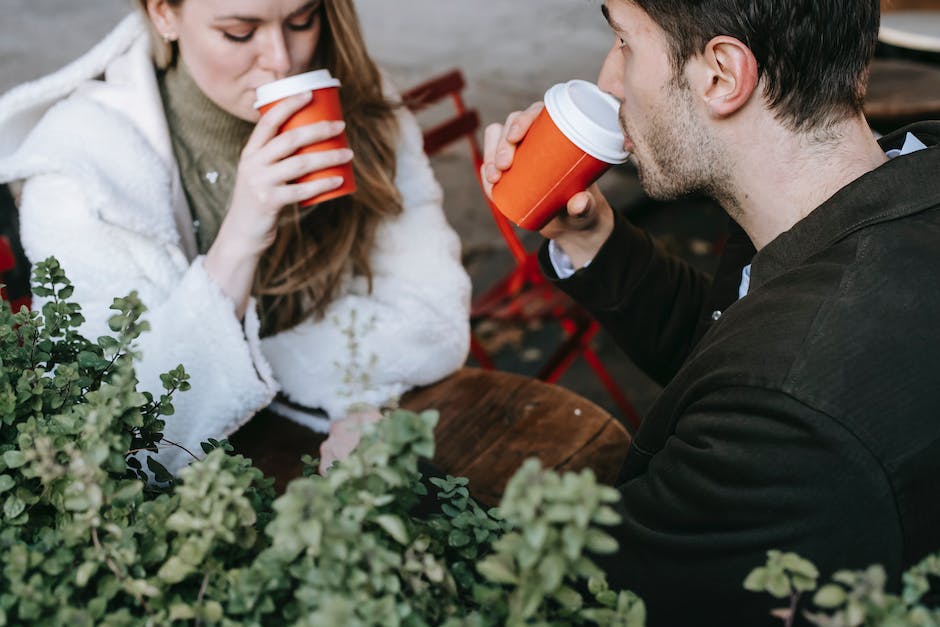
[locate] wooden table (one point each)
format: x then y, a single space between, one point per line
490 422
914 30
901 91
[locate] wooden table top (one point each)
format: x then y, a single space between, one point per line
912 29
902 91
490 422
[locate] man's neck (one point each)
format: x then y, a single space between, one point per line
781 177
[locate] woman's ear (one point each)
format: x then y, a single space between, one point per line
164 19
728 75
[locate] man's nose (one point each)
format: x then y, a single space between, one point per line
610 78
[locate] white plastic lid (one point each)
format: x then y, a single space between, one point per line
293 85
589 118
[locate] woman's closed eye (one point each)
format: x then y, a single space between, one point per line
303 20
238 37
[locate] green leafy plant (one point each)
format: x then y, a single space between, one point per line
96 532
852 598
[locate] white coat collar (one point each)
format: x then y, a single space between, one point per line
130 182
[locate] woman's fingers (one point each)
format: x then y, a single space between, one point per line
299 192
271 122
289 142
297 166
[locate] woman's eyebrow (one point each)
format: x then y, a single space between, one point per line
257 20
313 4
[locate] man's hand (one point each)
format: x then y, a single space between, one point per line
500 141
583 227
344 436
587 221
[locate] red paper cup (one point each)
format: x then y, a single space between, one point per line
574 140
325 105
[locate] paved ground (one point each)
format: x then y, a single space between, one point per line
510 52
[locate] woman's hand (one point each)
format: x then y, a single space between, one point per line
263 188
344 436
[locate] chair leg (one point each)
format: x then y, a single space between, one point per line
480 354
578 337
612 388
578 343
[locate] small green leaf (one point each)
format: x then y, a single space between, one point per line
830 596
160 473
13 507
497 570
394 526
14 459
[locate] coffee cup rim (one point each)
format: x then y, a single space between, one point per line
293 85
602 139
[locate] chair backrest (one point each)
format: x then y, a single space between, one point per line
462 123
7 265
7 261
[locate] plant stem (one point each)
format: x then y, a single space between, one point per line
794 600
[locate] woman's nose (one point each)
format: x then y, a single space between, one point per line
275 55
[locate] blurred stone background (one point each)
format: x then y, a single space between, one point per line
509 51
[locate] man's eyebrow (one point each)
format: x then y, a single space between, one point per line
606 13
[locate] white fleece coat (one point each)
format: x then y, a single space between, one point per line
103 194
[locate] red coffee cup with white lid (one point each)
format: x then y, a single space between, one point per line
324 106
572 142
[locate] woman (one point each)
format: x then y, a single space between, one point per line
147 168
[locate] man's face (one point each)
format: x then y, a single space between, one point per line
658 114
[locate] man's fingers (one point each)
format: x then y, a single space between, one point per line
580 205
499 144
489 172
521 124
491 137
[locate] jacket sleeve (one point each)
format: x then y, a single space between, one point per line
191 321
647 299
412 329
747 470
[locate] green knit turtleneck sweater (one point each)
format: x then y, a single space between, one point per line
207 143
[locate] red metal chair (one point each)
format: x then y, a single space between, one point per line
523 295
14 269
7 264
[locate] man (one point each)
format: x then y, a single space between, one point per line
804 416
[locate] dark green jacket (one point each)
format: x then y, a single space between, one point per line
806 418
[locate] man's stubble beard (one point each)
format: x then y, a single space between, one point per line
680 156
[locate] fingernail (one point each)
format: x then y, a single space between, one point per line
337 181
339 126
514 130
346 154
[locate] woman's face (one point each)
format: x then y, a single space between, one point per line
231 47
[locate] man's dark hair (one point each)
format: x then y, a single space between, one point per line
812 54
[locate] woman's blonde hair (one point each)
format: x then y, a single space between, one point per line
316 248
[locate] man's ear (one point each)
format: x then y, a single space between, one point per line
727 74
